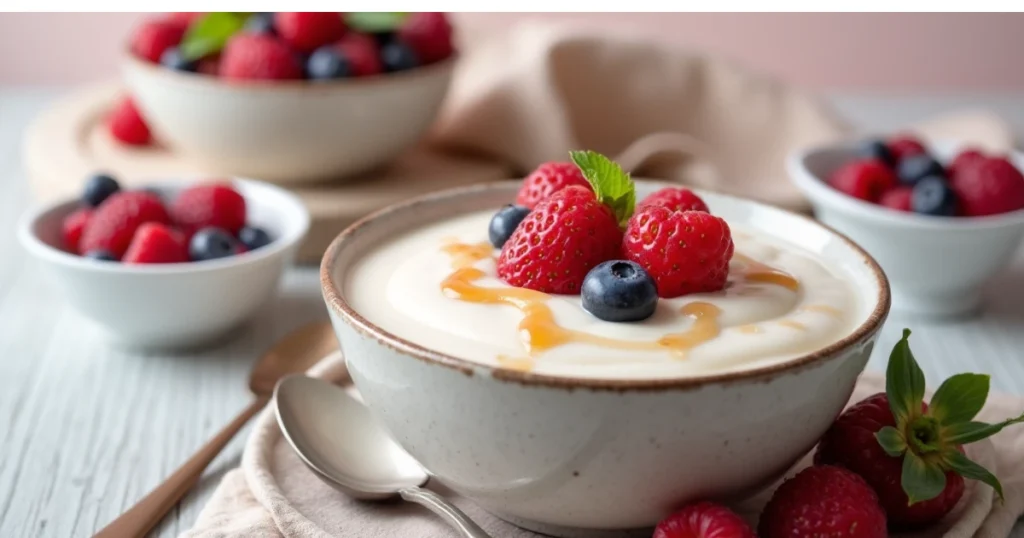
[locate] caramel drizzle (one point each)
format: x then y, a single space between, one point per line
796 325
755 271
822 309
750 328
464 255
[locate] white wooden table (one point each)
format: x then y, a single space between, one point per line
86 429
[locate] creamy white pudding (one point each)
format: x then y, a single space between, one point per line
437 287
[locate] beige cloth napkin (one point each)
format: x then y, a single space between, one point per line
274 495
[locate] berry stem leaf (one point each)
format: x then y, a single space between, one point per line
969 432
960 398
612 186
375 21
921 480
892 441
210 33
969 469
904 381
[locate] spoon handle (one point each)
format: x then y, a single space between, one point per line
448 511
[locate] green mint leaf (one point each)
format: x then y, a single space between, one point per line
892 441
904 381
968 432
208 35
968 469
374 22
613 187
960 398
921 481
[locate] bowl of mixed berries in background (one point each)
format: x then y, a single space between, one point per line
941 219
286 97
175 264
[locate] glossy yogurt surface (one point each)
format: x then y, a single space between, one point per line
437 287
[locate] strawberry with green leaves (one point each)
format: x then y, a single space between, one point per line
911 453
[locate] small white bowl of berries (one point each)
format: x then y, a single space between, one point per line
174 265
941 219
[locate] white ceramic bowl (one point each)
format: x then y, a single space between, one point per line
172 305
289 131
568 456
937 265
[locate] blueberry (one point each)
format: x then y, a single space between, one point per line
383 38
327 63
504 222
172 58
912 169
876 149
98 188
100 255
933 196
397 56
619 290
210 244
260 23
253 237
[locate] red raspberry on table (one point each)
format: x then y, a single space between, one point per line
156 243
217 205
676 199
429 34
964 159
152 38
685 252
362 53
989 187
865 179
547 179
72 228
703 520
561 240
114 222
126 124
905 146
305 31
823 501
258 57
897 198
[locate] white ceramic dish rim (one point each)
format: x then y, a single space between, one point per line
337 304
294 233
817 189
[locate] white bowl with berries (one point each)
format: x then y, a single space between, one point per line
941 220
175 265
288 97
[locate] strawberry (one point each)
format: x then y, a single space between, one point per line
911 453
114 222
904 146
989 186
126 124
866 179
258 57
676 199
823 500
897 198
307 31
547 179
153 37
965 158
362 54
215 205
685 252
703 520
429 34
72 228
156 243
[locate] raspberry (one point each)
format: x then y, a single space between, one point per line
115 221
547 179
72 228
703 520
307 31
866 179
362 54
258 57
989 186
904 146
685 252
214 205
676 199
156 243
823 501
126 124
963 160
562 239
185 18
153 37
897 198
429 34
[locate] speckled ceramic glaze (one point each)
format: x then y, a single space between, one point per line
567 455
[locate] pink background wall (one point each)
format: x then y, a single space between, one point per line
867 51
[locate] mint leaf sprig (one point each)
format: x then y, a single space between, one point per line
612 186
210 33
929 440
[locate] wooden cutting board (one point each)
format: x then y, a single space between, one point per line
67 143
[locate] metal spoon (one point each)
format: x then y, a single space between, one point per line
296 352
340 441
